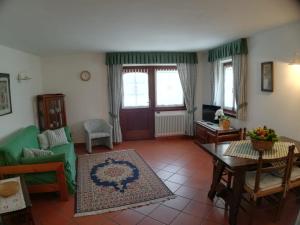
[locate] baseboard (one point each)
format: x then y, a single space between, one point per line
79 144
173 137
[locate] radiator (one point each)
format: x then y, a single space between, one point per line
169 123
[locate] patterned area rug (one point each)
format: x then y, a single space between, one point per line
116 180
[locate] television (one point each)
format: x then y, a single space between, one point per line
208 113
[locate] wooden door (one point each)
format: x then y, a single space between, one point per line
137 111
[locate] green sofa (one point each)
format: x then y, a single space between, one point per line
11 155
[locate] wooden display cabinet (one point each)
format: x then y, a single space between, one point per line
51 111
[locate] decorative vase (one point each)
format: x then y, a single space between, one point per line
260 145
224 124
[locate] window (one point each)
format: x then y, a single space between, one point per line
168 89
228 82
135 90
154 87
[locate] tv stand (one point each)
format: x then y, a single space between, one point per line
208 132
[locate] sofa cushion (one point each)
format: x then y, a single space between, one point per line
44 159
43 140
33 152
12 148
57 137
63 153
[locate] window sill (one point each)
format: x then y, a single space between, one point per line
176 108
230 113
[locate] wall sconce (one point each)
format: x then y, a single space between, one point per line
23 76
296 59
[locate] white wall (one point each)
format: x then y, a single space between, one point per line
280 109
22 93
84 99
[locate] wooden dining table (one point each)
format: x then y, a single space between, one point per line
239 167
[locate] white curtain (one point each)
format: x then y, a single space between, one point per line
188 75
239 65
114 99
217 82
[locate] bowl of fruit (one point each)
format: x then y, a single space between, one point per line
262 138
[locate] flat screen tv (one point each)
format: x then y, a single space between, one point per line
208 113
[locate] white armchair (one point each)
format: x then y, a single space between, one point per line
100 130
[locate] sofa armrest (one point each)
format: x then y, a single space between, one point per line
45 159
68 134
57 167
31 168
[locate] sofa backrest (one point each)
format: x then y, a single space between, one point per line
11 149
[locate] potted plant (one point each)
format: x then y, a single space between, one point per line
262 138
224 121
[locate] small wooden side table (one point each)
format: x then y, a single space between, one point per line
206 132
20 217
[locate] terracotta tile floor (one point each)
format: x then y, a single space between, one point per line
186 170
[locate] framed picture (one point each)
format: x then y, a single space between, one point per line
267 78
5 98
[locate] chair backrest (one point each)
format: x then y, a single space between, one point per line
295 163
275 165
94 124
231 136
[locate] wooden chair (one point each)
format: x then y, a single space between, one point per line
228 175
262 183
294 180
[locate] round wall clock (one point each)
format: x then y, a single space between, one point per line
85 75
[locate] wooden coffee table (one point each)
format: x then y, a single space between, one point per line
23 216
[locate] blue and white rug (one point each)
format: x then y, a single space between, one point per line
116 180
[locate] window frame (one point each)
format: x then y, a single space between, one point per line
152 87
135 107
228 112
169 107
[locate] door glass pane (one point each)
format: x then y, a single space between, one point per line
228 87
168 88
135 90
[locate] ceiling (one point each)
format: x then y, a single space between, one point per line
53 27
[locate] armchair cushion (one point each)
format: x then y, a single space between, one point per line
98 135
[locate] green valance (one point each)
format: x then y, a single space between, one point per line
151 57
237 47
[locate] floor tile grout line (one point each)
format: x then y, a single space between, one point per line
152 219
